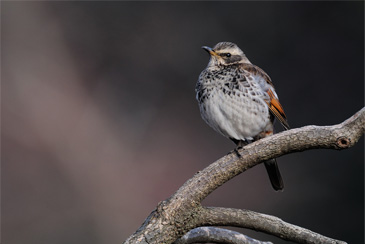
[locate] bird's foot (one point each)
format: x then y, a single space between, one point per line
237 152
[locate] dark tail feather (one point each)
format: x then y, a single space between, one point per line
274 174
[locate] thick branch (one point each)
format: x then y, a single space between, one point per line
216 235
181 212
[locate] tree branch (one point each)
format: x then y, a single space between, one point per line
261 222
216 235
182 211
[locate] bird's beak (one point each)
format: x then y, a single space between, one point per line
210 50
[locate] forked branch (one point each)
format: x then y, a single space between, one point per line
183 211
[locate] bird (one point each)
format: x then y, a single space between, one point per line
238 100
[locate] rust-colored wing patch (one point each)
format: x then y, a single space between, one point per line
277 110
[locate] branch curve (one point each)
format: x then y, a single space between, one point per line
182 211
263 223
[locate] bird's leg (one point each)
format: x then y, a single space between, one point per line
237 153
239 145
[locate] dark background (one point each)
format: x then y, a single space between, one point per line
100 122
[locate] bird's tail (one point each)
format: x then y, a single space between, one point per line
274 174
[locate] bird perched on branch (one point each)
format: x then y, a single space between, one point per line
238 100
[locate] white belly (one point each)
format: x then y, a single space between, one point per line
234 116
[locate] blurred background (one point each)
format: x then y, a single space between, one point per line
100 122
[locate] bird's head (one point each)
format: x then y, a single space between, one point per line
225 53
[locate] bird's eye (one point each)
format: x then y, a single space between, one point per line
228 55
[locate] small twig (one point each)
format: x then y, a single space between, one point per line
216 235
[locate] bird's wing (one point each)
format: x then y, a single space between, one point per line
276 109
273 102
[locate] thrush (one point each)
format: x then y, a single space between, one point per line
238 100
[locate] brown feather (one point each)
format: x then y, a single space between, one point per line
255 70
276 108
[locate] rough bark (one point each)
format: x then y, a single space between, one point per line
183 211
